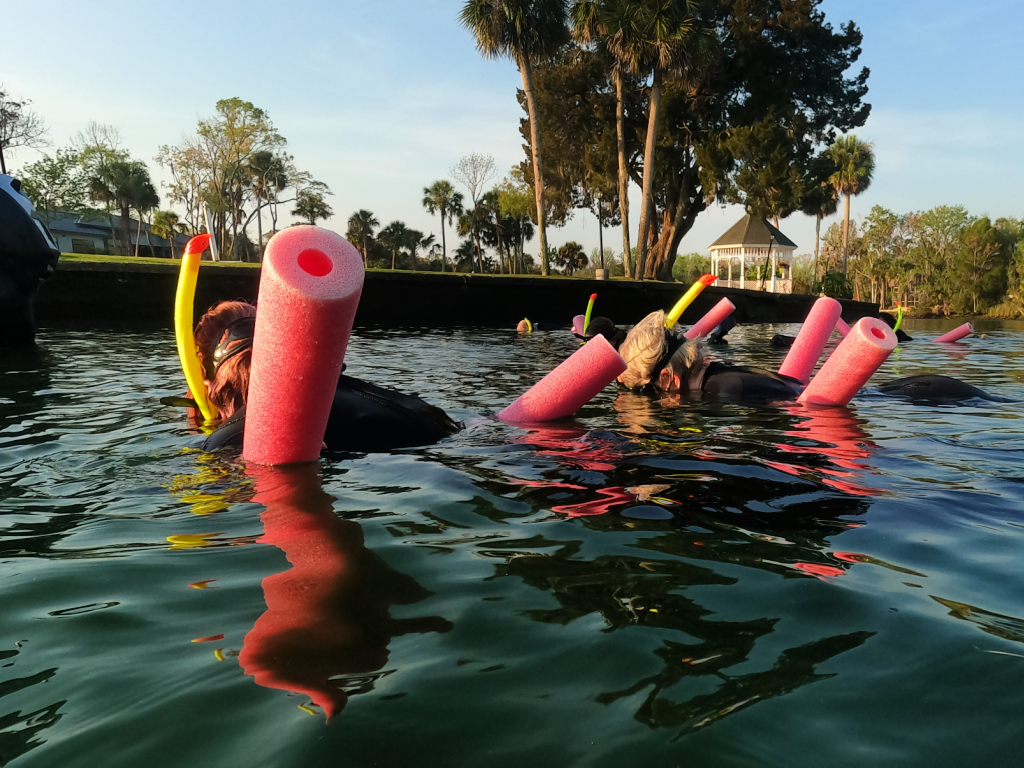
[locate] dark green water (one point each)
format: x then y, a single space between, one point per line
653 583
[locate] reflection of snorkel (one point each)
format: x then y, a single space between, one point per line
677 311
183 337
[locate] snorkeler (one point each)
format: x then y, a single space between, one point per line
667 361
364 417
781 341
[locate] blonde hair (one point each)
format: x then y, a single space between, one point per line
645 346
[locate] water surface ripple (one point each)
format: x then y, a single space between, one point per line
653 582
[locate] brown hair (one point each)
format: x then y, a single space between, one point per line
229 386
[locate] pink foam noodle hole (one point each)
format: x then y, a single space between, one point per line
569 386
811 340
852 363
309 292
956 334
711 320
314 262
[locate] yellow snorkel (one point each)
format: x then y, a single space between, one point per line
677 311
184 298
590 308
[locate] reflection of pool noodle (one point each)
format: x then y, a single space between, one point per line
572 384
811 340
851 364
309 292
842 327
699 285
707 324
184 298
577 324
957 333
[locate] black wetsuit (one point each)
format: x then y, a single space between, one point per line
364 418
742 382
28 255
932 388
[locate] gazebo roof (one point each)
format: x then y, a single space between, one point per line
752 232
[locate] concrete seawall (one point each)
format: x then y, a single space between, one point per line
94 292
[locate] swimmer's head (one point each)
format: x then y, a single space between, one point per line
524 326
602 326
224 338
662 358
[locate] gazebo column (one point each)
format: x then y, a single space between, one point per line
730 271
775 264
743 267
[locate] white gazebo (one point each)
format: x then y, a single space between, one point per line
752 242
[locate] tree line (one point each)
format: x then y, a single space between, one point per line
226 177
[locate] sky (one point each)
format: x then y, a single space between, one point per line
380 99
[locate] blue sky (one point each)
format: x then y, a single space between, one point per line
380 99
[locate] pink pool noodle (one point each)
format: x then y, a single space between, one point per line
572 384
957 333
842 327
577 324
309 292
854 361
707 324
811 340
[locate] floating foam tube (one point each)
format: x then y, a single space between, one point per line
579 324
811 341
699 285
184 298
856 358
711 320
572 384
309 292
957 333
842 327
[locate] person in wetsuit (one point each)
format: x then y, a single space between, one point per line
364 417
665 360
28 255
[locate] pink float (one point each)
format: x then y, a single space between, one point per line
856 358
956 334
309 292
578 323
842 327
811 340
572 384
710 321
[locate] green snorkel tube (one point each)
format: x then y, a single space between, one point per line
899 317
586 316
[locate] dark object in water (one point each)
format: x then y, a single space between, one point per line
605 327
28 255
744 383
889 320
647 512
781 341
717 336
936 389
364 418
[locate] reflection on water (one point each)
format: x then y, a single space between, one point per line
655 574
327 626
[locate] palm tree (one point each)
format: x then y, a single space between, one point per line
441 197
394 237
269 178
144 200
595 23
123 184
571 257
471 223
165 224
855 164
361 226
311 206
521 30
656 39
819 198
